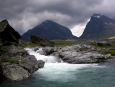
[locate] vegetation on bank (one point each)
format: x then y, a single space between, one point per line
56 43
27 44
107 49
65 42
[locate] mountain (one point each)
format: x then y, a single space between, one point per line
49 30
99 26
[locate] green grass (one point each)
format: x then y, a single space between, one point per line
56 43
27 44
30 44
64 42
112 52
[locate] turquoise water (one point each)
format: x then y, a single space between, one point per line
69 75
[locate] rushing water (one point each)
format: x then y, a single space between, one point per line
67 75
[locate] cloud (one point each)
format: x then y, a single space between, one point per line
79 28
26 14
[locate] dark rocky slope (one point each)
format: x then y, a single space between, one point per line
99 27
41 41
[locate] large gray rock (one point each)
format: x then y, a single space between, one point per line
8 36
22 68
14 71
30 64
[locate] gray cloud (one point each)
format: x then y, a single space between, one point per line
26 14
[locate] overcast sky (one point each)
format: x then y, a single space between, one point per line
74 14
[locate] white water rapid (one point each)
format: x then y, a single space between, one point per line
54 70
46 59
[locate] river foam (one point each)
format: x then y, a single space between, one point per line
46 59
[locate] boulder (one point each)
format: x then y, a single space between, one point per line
14 72
41 63
41 41
48 50
30 64
35 49
8 36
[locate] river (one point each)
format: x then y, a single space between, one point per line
55 74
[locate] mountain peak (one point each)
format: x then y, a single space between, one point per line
48 21
97 15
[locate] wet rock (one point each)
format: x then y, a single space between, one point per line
41 63
48 50
14 71
35 49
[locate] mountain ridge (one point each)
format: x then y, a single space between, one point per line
99 27
50 30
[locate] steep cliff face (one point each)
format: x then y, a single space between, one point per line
99 27
49 30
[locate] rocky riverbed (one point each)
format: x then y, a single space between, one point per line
80 53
